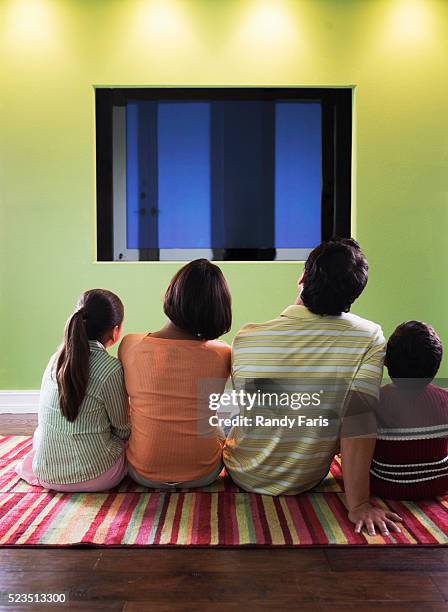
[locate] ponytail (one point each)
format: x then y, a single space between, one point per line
72 366
98 311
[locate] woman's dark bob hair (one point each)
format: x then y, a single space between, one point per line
198 300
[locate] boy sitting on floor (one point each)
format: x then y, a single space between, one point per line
411 454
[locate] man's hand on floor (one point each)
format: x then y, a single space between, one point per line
371 517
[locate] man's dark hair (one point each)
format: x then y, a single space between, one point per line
335 275
414 351
198 300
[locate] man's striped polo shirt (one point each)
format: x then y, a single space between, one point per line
299 350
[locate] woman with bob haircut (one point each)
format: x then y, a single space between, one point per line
167 372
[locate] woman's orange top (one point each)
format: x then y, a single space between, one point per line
171 438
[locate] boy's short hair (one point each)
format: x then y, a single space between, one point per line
198 300
335 275
413 354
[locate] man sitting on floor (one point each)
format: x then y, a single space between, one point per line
335 359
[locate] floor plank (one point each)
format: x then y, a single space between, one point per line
284 586
429 559
144 606
198 561
50 559
144 561
17 424
88 606
441 581
371 606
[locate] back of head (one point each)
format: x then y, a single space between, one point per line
198 300
335 275
97 312
413 354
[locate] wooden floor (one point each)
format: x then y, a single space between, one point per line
187 579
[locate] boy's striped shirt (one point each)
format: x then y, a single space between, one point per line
411 454
305 351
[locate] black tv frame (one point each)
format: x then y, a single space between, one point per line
336 104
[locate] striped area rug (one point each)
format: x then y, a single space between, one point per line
218 515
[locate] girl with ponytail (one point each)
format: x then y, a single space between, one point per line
79 444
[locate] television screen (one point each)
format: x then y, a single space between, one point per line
216 176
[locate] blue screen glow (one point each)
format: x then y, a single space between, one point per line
171 183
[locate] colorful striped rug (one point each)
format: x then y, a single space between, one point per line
218 515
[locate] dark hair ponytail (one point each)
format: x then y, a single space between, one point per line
97 312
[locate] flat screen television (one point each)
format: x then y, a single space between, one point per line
225 173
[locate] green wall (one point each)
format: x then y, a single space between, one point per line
53 53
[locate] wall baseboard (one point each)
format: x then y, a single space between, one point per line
19 402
